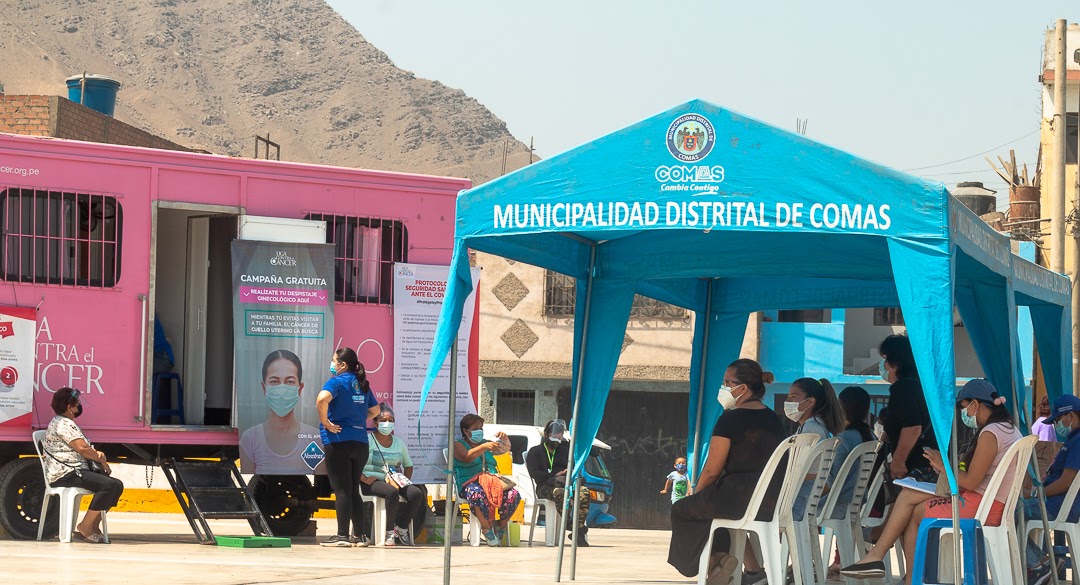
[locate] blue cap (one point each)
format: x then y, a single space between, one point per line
978 389
1063 405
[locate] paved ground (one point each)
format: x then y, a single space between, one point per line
160 548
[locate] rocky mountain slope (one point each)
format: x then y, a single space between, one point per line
214 73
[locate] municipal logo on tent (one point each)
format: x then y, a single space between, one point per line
313 455
690 137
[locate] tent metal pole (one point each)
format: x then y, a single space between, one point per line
957 550
701 383
451 508
1032 463
1037 482
567 497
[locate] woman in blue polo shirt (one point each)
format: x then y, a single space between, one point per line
345 403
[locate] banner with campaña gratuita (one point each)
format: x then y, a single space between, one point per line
283 327
18 326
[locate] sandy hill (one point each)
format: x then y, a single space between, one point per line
213 73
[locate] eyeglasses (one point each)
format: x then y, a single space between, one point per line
732 383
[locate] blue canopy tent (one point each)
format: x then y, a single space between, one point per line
724 215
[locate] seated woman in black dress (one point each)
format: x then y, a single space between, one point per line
743 439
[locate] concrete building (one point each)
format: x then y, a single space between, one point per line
1047 80
57 117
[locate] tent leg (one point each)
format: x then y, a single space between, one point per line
957 550
1032 463
701 384
573 432
577 527
450 510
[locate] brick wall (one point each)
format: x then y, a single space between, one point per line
44 115
27 114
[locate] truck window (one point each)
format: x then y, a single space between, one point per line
61 238
365 249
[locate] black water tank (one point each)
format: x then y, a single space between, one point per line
976 197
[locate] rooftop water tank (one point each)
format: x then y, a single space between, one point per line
976 197
96 92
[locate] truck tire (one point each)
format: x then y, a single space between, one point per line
22 489
282 500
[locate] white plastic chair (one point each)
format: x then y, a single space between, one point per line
70 498
806 554
1059 523
474 525
378 518
867 521
1002 546
859 464
551 519
767 531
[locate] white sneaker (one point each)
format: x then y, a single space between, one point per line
390 539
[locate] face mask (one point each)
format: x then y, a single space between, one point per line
333 370
386 427
1062 430
554 439
883 370
477 436
78 411
282 398
680 467
968 419
791 410
726 398
879 429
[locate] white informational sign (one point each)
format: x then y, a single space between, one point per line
418 299
18 326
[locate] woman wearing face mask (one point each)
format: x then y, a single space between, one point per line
813 405
345 403
983 410
67 453
276 446
744 438
388 457
474 464
908 425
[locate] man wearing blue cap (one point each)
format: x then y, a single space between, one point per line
1065 416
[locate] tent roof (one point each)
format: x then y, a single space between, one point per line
761 202
725 215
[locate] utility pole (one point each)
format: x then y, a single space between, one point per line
1075 230
1057 194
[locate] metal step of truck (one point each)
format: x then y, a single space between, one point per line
213 490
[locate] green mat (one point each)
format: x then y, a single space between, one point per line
253 541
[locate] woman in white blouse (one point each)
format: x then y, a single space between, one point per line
68 455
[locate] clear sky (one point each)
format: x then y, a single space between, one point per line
906 84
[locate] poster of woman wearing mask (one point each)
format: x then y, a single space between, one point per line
283 322
277 446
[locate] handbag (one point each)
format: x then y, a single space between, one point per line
88 465
396 479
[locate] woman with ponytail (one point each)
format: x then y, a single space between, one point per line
813 405
345 403
744 438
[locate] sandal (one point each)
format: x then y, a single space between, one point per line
92 539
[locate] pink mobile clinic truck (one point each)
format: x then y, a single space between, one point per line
100 238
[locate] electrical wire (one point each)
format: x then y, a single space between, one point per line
974 155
